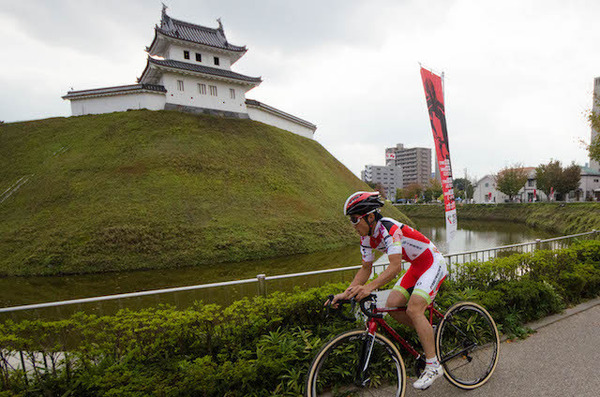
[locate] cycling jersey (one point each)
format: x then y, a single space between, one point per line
428 267
392 237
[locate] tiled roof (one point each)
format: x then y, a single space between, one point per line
195 33
121 89
203 69
589 171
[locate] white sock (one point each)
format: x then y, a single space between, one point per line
432 361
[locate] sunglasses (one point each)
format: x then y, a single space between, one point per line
354 219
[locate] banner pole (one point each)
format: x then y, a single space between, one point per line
443 90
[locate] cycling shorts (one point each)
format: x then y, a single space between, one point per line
424 281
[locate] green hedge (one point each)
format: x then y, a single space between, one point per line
261 346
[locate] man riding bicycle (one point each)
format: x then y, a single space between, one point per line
416 289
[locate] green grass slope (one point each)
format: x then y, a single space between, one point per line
141 190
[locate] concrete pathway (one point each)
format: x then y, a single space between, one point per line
560 359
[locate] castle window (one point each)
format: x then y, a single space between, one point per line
186 54
213 90
217 61
232 93
202 88
180 85
198 57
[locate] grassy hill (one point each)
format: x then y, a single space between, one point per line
142 189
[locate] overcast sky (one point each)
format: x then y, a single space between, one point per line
519 74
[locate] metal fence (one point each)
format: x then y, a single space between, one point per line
264 284
507 250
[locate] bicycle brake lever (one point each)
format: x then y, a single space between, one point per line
328 306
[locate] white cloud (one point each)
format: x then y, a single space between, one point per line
519 74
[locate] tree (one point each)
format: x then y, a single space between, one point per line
463 188
376 186
553 176
379 187
433 190
594 146
413 190
399 194
571 176
511 179
547 175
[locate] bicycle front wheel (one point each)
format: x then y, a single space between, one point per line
468 345
357 363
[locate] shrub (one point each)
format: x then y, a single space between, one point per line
262 346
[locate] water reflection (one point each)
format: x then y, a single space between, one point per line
26 290
475 235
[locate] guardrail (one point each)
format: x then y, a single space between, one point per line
262 280
490 253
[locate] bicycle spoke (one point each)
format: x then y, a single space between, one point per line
468 345
357 364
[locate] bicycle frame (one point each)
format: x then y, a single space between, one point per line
373 323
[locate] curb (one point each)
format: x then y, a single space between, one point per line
546 321
566 314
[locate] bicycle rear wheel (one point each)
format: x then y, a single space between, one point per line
337 369
468 345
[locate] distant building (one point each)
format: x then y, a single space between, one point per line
595 165
189 69
589 189
390 177
589 185
415 163
485 190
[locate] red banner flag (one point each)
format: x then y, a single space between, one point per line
437 116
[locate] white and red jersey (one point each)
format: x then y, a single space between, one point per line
392 237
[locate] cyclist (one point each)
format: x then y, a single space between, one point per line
416 288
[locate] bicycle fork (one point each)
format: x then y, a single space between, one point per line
365 354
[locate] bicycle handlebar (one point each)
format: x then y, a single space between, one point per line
367 305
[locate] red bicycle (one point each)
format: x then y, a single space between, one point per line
365 362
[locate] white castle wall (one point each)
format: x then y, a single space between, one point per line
258 114
117 103
190 96
176 54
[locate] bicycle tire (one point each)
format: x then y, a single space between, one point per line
468 345
333 370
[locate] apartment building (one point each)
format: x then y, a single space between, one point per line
415 163
390 177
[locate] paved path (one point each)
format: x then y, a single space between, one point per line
560 359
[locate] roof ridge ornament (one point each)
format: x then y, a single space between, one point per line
221 32
165 20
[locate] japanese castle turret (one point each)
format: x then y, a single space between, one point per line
189 69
